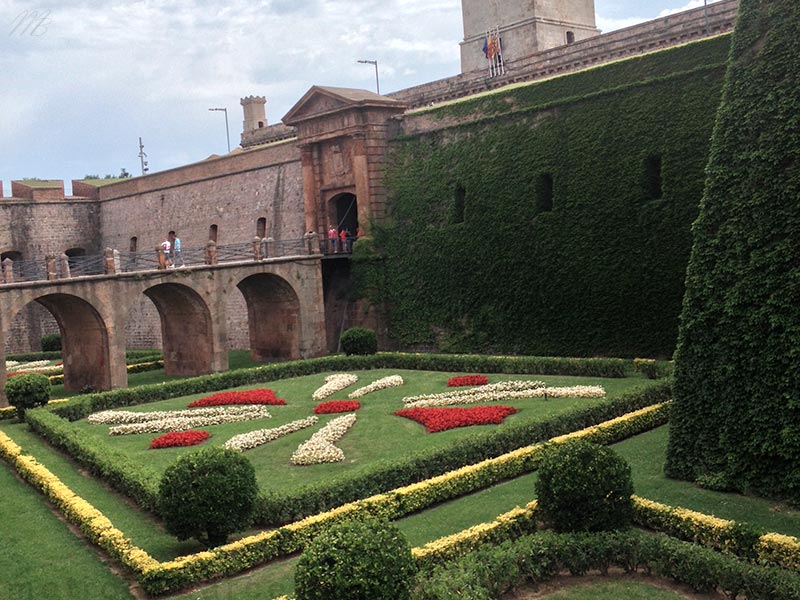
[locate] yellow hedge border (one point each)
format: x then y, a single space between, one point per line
247 552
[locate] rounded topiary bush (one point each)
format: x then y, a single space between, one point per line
584 487
358 340
354 560
208 495
51 343
28 390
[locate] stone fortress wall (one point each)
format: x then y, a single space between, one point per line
262 180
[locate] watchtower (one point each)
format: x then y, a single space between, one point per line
255 114
525 26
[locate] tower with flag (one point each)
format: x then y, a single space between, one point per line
498 32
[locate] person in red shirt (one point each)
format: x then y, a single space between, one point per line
343 240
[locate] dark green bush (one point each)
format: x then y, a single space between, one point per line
358 340
737 367
51 342
368 560
208 495
584 487
28 390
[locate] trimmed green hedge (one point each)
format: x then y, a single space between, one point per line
602 272
492 571
140 483
737 369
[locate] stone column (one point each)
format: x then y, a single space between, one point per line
256 248
270 248
8 271
211 252
361 175
310 192
52 270
64 262
108 262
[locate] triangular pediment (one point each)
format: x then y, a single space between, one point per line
320 101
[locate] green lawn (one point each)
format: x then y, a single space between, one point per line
39 537
378 435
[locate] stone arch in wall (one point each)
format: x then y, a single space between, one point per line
85 346
344 212
273 314
186 329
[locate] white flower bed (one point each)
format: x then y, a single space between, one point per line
33 366
182 423
253 439
489 392
507 390
126 417
320 446
333 384
380 384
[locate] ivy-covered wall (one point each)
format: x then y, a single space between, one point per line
736 418
552 218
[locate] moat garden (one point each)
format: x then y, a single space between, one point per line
80 490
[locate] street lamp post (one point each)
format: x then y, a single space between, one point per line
377 81
227 131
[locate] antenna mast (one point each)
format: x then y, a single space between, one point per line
142 156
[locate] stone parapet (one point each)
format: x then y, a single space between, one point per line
34 189
267 135
657 34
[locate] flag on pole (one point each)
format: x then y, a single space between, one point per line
493 50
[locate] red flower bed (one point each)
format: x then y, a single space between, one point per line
10 375
262 396
180 438
336 406
442 419
463 380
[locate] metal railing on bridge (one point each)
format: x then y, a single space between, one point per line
112 262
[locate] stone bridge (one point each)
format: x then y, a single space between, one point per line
285 312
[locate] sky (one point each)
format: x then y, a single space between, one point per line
82 81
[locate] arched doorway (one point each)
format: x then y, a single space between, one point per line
345 207
84 342
273 314
186 330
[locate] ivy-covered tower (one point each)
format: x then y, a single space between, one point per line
526 27
736 417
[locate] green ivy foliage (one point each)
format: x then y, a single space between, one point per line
602 272
736 422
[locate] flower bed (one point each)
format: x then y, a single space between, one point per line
465 380
380 384
336 406
260 396
334 383
320 446
442 419
179 420
504 391
177 439
253 439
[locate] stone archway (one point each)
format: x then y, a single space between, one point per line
186 329
85 346
344 207
273 313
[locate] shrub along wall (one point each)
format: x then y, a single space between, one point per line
564 210
738 360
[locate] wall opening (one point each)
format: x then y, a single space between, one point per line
544 193
12 255
653 183
134 244
459 203
570 37
212 233
261 227
346 207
